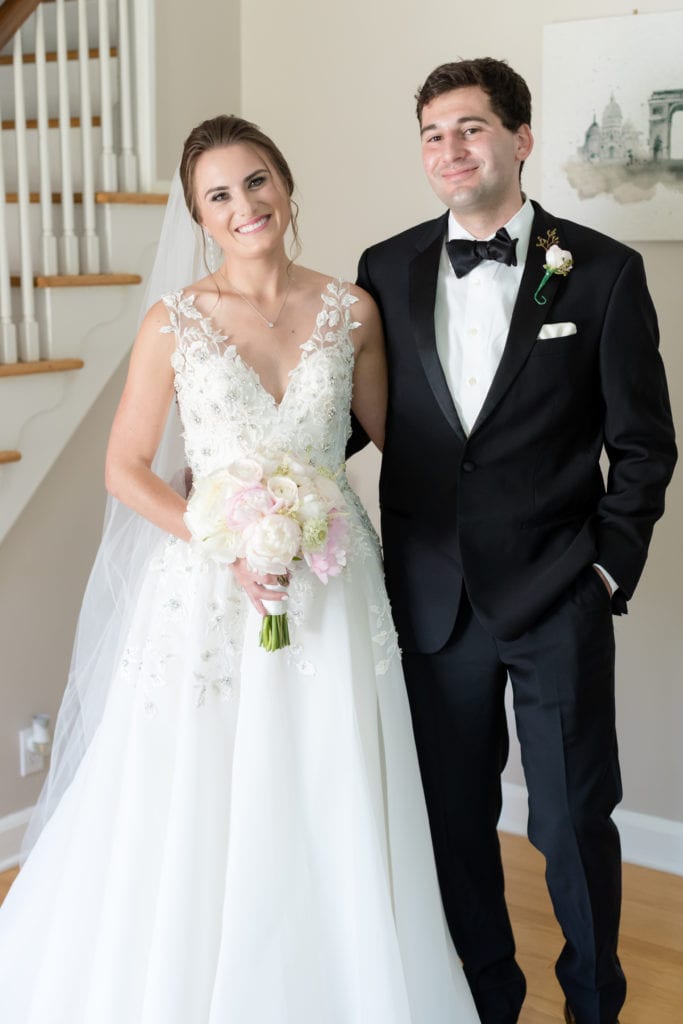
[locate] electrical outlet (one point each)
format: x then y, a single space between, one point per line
29 760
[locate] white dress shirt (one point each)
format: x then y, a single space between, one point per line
472 318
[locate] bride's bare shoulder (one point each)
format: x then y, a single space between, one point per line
308 278
204 287
316 283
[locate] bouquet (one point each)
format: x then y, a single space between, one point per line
274 509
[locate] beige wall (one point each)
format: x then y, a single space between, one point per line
334 85
44 565
197 71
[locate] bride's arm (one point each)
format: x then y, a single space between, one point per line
369 401
138 427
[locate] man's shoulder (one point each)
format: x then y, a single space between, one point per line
573 235
415 237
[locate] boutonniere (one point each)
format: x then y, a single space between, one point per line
557 261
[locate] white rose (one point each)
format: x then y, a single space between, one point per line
284 490
558 259
271 543
246 471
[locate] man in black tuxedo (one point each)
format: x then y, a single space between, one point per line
505 551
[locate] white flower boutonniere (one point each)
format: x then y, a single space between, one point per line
557 261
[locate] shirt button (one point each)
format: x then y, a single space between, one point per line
472 381
468 466
473 331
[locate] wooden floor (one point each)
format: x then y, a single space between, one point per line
650 949
6 879
651 938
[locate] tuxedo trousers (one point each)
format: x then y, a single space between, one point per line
562 676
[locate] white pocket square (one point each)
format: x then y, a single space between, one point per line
556 331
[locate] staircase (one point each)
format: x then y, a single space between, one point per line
78 219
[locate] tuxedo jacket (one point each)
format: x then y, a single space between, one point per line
518 508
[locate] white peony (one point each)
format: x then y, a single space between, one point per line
204 515
297 469
330 493
223 546
272 543
311 506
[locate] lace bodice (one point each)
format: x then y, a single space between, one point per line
227 413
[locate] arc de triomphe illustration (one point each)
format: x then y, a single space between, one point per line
663 106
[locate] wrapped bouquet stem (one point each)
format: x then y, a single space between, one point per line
272 508
274 633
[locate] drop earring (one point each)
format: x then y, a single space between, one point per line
214 253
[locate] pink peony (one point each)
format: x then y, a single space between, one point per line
248 506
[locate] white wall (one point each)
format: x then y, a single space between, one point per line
334 85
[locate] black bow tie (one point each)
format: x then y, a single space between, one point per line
466 254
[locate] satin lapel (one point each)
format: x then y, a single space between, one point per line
527 317
423 275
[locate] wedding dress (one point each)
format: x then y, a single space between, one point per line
245 840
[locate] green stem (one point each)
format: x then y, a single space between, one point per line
541 299
274 633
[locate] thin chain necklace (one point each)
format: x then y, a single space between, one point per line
267 322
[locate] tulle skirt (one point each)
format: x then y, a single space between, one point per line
246 840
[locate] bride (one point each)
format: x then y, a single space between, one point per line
232 834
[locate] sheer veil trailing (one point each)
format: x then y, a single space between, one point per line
126 546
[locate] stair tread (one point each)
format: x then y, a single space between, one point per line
134 198
102 198
77 280
9 456
53 122
51 56
40 366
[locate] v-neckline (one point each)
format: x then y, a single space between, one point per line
217 333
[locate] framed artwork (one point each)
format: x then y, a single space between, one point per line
612 124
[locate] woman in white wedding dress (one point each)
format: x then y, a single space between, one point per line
244 840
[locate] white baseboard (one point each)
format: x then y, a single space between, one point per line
645 840
12 828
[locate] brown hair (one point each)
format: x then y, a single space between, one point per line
507 91
227 130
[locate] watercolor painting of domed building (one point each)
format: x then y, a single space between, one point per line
612 132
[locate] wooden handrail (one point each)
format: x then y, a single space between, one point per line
13 14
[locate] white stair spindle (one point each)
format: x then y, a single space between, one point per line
69 241
28 342
48 239
8 332
127 159
145 93
90 250
108 167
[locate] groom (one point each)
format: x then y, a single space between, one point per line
506 553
